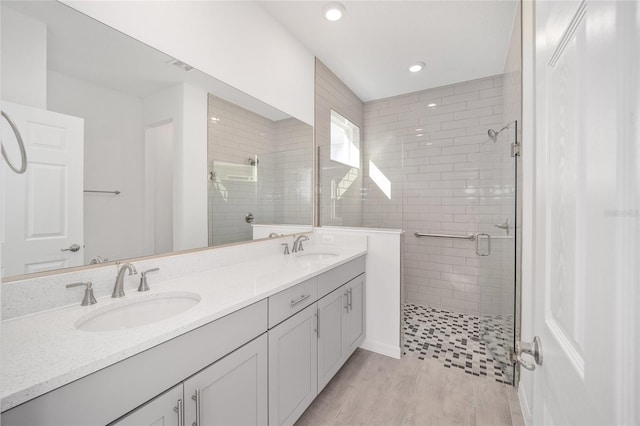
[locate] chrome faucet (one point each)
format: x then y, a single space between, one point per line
297 243
118 289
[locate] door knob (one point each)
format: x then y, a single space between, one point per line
72 248
534 349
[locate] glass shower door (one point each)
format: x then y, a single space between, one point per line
496 247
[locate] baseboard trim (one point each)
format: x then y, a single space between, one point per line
382 349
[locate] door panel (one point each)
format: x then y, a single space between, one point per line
354 318
293 367
584 53
331 310
43 208
233 391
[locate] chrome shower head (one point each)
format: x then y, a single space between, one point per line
493 135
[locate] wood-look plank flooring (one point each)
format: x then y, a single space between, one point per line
372 389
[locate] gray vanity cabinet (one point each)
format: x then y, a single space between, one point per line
232 391
293 367
331 310
340 327
353 326
163 410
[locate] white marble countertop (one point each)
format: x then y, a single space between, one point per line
44 351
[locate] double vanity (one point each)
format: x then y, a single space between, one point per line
247 342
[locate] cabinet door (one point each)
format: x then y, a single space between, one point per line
293 367
353 331
330 315
162 410
232 391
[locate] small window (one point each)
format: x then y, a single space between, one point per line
345 141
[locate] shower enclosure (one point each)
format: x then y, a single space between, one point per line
270 188
429 166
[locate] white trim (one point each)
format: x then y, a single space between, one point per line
524 406
381 348
358 229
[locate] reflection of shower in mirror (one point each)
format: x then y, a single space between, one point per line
493 135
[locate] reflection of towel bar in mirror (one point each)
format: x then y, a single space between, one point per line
116 192
471 237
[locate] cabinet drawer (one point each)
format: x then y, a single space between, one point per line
292 300
334 278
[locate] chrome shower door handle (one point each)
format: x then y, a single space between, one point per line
481 253
534 349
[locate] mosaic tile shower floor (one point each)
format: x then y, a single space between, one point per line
477 345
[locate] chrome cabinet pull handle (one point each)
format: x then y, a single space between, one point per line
346 305
317 330
350 299
301 299
196 398
180 410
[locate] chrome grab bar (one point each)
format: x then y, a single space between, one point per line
23 152
470 237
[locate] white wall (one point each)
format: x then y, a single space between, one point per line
236 42
433 157
113 141
185 106
24 59
190 210
382 293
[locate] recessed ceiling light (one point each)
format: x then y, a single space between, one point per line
431 105
418 130
333 11
417 67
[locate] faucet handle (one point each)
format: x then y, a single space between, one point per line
144 286
89 298
286 247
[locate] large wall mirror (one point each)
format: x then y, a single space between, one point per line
131 152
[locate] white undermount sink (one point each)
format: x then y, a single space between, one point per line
317 256
138 311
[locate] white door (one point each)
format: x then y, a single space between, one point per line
43 208
158 179
586 218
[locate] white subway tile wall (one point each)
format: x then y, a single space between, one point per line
430 145
282 193
341 195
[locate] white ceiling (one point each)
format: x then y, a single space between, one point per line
88 50
371 48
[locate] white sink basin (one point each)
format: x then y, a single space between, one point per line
316 256
138 311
